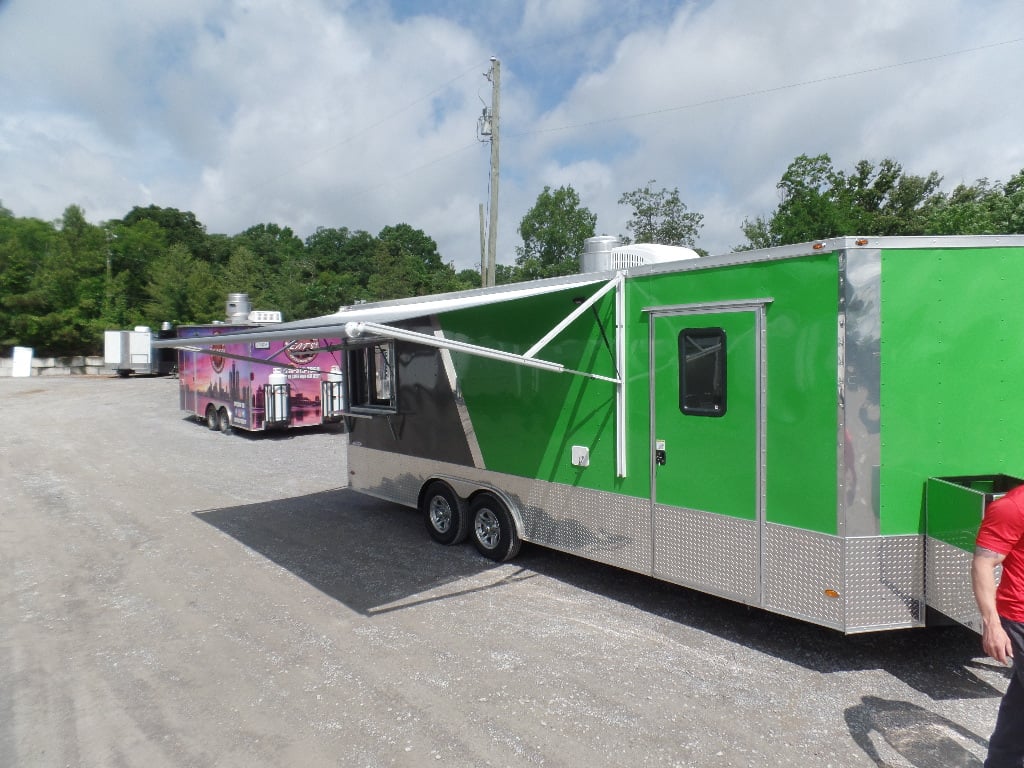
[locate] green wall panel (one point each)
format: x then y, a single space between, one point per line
801 358
527 420
952 336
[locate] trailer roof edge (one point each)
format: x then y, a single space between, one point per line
830 245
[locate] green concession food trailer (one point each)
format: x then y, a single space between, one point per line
767 426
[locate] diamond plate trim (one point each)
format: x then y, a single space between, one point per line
714 553
799 566
884 582
948 583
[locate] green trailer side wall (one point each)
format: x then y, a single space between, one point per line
801 363
527 420
950 400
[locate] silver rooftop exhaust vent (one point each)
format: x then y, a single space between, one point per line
238 308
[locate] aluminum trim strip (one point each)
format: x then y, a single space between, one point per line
710 307
859 370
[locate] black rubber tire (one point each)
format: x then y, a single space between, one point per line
212 419
494 530
223 420
444 514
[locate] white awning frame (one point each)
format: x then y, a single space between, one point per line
349 323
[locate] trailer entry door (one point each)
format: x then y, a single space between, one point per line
707 446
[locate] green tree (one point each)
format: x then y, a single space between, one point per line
278 259
981 208
131 248
811 202
415 242
339 264
553 232
507 273
407 263
818 201
470 278
661 217
182 289
180 228
25 244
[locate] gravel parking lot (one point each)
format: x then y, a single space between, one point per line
171 596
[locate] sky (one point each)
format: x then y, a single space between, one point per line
364 113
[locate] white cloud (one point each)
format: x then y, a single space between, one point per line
362 115
542 17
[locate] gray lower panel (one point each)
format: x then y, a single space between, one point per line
853 585
949 583
884 582
605 527
714 553
799 567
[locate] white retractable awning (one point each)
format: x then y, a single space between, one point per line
372 321
333 325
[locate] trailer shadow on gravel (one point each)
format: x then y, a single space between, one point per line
374 556
369 555
943 662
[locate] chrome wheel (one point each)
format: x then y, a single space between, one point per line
444 514
494 529
487 527
440 514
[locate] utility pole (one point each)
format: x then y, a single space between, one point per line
483 249
492 229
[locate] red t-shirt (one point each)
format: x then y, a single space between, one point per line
1002 531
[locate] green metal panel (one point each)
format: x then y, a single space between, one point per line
527 420
711 461
801 343
952 335
955 506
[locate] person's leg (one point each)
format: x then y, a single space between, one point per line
1006 747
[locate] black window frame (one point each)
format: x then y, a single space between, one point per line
695 345
365 378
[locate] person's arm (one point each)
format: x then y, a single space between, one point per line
994 639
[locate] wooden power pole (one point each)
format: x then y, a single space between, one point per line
492 229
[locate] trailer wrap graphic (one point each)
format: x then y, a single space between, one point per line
235 382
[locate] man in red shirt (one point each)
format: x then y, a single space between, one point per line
1001 542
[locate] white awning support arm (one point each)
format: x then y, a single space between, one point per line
614 283
357 330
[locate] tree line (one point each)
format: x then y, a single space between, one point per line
63 283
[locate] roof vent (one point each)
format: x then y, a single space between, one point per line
606 252
238 308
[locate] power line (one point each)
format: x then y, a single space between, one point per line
351 137
619 118
763 91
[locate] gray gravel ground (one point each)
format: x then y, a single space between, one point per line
171 596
